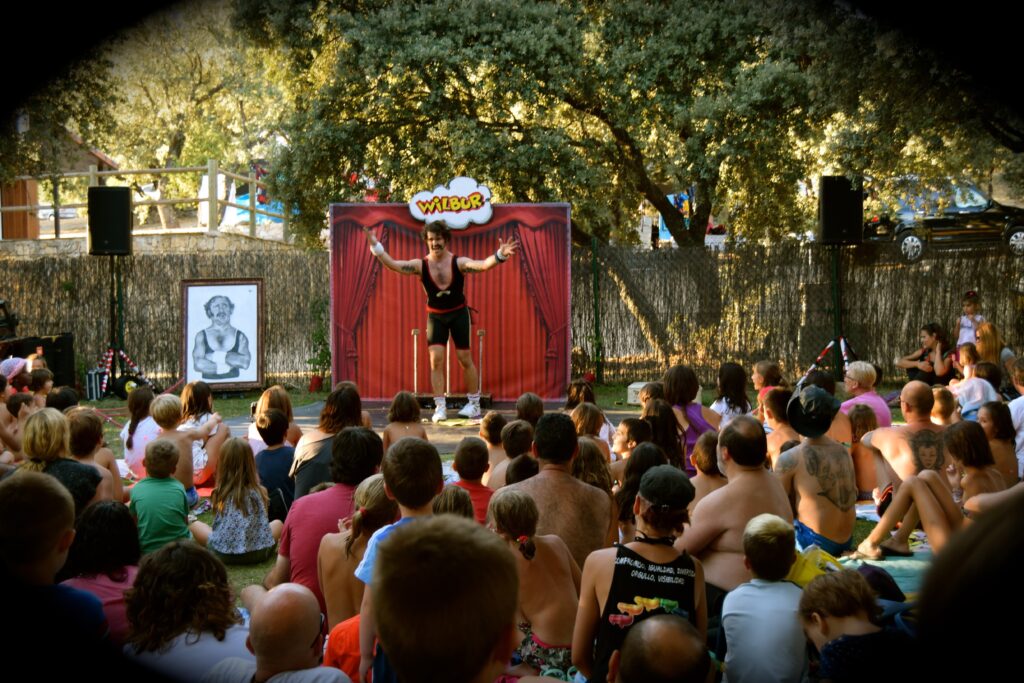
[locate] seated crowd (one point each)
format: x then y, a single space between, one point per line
666 548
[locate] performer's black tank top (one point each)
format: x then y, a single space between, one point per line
640 589
444 300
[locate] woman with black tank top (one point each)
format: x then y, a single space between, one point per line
624 585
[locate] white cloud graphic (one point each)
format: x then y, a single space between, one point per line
462 202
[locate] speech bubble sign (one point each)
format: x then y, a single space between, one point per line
462 202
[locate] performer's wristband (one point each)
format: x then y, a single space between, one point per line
499 258
377 249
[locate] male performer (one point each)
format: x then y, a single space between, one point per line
442 275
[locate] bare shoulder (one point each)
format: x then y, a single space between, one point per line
789 460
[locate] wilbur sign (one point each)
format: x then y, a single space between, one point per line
461 202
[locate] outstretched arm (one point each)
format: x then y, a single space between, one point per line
404 267
506 250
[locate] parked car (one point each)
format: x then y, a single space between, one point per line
915 216
63 212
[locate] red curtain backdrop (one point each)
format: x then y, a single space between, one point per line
523 306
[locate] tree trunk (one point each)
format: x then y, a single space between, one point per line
168 216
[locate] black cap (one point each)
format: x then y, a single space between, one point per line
665 486
811 411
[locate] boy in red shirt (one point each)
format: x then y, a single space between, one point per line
471 463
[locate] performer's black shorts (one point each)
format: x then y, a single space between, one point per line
455 323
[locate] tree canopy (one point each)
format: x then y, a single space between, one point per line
607 103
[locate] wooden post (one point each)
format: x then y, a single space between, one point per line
212 183
252 203
94 178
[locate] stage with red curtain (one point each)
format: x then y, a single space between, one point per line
522 305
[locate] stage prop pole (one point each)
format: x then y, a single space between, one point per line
448 368
415 370
480 375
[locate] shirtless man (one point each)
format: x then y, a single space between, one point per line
818 475
579 514
715 536
904 451
443 277
840 430
220 350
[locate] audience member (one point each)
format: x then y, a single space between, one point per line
412 476
901 452
549 583
87 447
46 443
945 410
931 364
732 398
167 412
62 398
274 398
840 616
476 640
529 407
104 559
716 531
454 500
403 420
159 503
313 461
995 418
40 384
622 586
196 411
490 431
279 631
839 430
1017 413
665 432
649 392
521 468
516 439
356 454
705 460
760 617
773 405
577 513
978 389
818 475
862 421
274 462
939 513
662 649
471 465
140 430
340 553
860 381
37 516
241 532
181 613
589 421
645 456
682 391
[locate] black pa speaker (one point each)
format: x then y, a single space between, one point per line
110 221
840 211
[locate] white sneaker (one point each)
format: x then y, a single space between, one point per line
440 413
471 410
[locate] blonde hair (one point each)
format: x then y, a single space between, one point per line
944 403
769 543
454 500
990 343
862 372
236 477
275 397
166 411
514 515
373 510
969 354
47 438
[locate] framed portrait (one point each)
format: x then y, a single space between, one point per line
222 333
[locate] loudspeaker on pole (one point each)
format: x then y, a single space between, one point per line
110 221
840 211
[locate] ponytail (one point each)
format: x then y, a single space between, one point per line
527 547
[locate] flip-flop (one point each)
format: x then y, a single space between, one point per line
892 552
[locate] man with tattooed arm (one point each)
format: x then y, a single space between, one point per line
818 475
